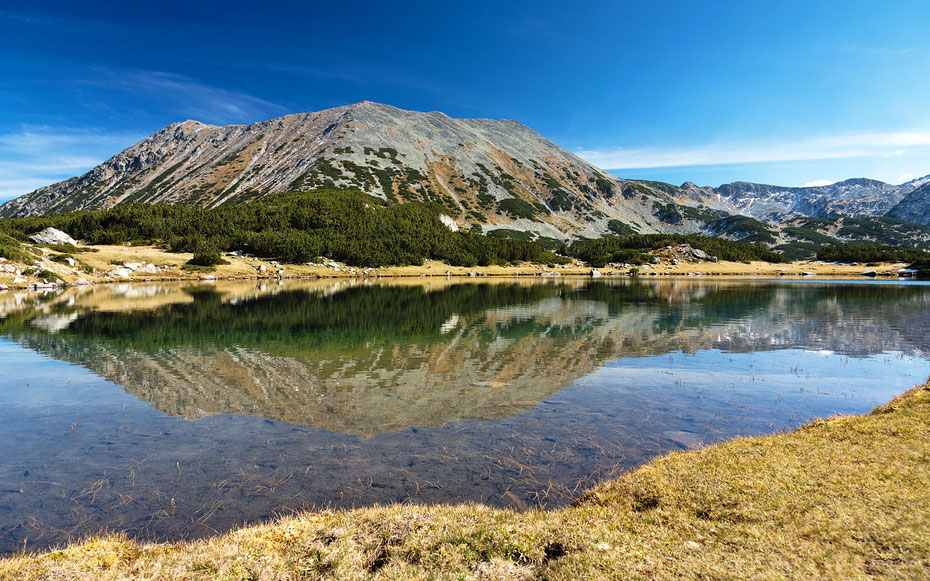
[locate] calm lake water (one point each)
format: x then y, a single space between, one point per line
175 411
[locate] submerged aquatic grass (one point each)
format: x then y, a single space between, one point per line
844 497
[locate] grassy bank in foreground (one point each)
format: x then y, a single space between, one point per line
841 498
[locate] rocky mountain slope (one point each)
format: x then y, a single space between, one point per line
497 174
854 198
489 172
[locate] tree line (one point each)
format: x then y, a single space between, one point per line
294 227
635 248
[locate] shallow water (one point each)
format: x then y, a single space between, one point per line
176 411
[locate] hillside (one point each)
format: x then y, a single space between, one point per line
856 198
497 175
483 171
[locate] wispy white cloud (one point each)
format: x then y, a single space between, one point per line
37 156
816 184
190 97
812 148
876 50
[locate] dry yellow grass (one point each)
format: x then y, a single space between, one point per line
104 258
841 498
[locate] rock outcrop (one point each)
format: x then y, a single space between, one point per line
53 237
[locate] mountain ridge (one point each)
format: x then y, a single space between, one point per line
485 171
489 173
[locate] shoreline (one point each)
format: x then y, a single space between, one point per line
114 264
841 497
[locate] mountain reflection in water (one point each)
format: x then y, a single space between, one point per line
319 393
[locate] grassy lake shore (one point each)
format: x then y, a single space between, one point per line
840 498
94 267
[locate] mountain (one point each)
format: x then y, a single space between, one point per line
484 171
915 205
496 174
854 198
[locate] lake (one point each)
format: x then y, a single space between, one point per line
174 411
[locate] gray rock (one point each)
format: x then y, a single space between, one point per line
655 260
870 273
700 254
52 236
595 273
120 273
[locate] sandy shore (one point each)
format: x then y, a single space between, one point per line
107 264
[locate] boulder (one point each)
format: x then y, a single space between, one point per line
655 260
870 273
700 254
120 273
595 273
52 236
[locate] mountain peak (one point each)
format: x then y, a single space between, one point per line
495 173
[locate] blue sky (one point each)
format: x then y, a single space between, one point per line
776 92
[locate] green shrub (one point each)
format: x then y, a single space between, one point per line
870 253
297 227
48 275
12 249
518 208
618 227
618 248
208 256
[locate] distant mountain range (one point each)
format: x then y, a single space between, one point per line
498 174
855 198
